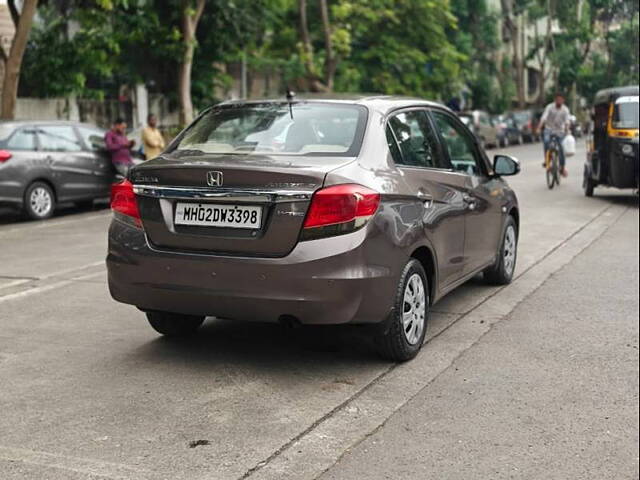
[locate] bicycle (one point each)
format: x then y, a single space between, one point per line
552 161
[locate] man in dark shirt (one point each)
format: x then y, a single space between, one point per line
119 146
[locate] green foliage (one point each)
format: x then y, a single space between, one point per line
397 47
56 65
476 37
427 48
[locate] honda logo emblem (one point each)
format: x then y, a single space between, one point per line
214 179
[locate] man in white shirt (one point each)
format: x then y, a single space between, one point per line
556 119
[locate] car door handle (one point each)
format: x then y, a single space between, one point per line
48 159
425 198
469 200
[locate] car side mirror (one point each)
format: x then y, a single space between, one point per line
504 165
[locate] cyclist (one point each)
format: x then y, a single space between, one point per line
556 119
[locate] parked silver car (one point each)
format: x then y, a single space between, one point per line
45 163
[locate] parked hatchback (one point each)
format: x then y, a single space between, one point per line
362 211
526 122
508 132
44 163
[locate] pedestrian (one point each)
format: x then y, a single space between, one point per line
119 146
152 139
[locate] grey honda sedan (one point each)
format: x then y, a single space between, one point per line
45 163
365 210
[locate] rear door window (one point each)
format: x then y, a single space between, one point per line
92 138
461 147
58 138
23 139
416 144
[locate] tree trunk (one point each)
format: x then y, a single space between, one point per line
190 19
13 62
511 23
330 61
314 82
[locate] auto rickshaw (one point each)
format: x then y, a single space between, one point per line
612 149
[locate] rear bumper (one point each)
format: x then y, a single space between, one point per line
327 281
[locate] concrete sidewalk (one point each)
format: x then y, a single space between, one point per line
550 392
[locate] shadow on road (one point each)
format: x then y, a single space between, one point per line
257 345
621 198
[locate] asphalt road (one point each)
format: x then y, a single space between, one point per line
88 390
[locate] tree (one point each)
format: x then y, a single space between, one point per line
513 12
23 20
583 69
317 82
476 36
542 43
397 47
191 15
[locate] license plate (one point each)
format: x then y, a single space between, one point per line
217 215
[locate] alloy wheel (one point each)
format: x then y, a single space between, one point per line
414 309
40 201
509 250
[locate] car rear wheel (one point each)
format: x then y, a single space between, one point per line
404 336
501 272
174 324
39 201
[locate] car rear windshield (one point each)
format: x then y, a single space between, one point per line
5 131
625 114
522 116
299 128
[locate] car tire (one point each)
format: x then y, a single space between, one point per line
501 272
174 324
588 184
39 201
405 333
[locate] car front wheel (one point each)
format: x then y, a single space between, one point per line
174 324
39 201
501 272
588 184
405 334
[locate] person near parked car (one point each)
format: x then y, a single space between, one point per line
152 139
119 146
555 121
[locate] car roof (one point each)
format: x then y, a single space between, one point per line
381 103
22 123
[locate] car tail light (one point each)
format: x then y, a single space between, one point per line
124 204
339 209
5 155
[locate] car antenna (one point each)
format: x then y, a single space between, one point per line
291 95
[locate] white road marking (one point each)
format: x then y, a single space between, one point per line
17 282
53 222
51 275
87 466
51 286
